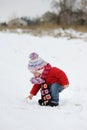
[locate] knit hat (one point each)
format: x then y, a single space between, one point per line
36 63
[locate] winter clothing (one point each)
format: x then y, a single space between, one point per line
54 75
53 78
36 63
55 89
50 95
45 95
39 80
52 104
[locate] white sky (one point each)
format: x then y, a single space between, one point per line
17 8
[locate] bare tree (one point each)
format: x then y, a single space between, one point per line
69 12
70 3
55 5
83 5
62 5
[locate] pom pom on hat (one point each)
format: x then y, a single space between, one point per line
33 56
35 63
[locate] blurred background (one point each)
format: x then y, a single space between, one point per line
44 15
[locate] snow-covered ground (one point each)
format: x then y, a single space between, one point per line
19 113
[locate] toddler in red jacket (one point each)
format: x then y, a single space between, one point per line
50 80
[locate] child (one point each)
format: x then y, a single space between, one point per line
51 80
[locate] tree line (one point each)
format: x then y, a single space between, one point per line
65 12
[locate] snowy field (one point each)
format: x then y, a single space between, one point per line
19 113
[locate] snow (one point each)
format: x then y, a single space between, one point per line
19 113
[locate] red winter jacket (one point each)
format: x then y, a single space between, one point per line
55 75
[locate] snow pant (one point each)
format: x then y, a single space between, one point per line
55 89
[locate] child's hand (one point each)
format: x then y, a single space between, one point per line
30 96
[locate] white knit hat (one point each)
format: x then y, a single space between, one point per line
36 63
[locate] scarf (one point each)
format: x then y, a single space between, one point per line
41 79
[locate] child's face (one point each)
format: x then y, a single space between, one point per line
36 74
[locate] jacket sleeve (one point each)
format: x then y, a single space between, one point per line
35 89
